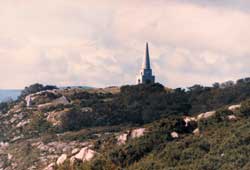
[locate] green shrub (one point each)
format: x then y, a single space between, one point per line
39 123
159 133
4 107
245 108
75 119
35 88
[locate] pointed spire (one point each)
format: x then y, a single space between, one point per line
146 64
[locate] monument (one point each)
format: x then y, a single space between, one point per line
146 76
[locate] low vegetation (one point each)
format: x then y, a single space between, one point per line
99 116
223 144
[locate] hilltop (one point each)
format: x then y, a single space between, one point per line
128 127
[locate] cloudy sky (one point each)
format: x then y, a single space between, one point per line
102 42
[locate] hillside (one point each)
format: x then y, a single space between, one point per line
132 127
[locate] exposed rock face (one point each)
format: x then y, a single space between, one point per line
48 152
122 139
196 132
28 100
130 134
61 100
234 107
4 144
232 117
45 98
50 167
137 133
23 123
61 159
206 115
85 154
31 97
187 120
174 135
75 151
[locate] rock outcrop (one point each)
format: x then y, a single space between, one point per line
130 134
174 135
122 138
85 154
61 159
136 133
206 115
234 107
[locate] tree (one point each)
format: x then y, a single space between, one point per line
34 88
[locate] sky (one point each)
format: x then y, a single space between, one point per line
102 43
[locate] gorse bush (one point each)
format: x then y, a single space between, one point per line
222 144
141 104
133 105
35 88
5 106
75 119
39 123
245 108
159 133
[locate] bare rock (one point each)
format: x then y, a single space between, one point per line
28 100
61 159
13 119
206 115
61 100
196 132
232 117
16 138
122 139
85 154
234 107
22 123
50 167
19 116
4 144
136 133
187 120
43 147
10 156
174 135
75 151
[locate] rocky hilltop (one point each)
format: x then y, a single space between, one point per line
25 141
132 127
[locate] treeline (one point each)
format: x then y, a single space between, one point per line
140 104
222 144
203 98
137 104
34 88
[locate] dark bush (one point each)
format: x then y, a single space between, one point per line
245 108
136 149
34 88
4 107
39 123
